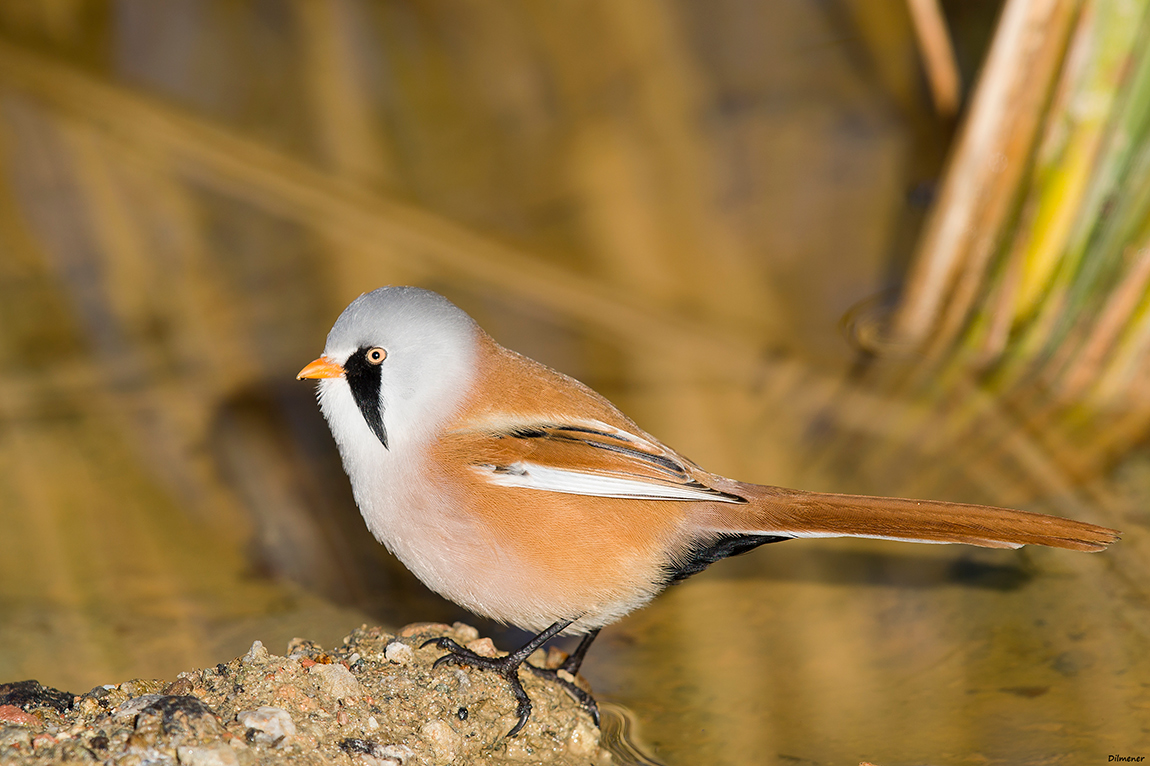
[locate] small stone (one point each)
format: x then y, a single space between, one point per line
270 724
416 628
181 686
215 755
583 740
13 714
257 653
43 740
372 723
484 647
176 719
132 707
336 680
465 632
443 740
399 653
555 657
28 695
15 736
301 647
88 706
364 752
399 754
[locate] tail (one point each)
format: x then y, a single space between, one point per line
792 513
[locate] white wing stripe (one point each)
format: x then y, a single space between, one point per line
531 476
869 537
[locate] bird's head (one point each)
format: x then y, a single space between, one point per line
397 363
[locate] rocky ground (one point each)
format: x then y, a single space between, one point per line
374 701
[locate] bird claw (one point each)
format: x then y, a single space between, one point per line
585 700
505 666
456 653
446 643
508 667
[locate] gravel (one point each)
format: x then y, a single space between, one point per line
373 701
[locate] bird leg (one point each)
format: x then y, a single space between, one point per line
575 660
570 667
508 667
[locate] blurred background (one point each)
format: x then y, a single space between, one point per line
873 246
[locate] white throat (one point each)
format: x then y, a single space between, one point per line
428 372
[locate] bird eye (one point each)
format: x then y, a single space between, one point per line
376 355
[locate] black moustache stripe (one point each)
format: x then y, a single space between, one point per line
364 379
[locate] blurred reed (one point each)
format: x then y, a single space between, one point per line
1022 330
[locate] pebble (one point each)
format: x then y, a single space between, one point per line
256 653
15 736
399 653
555 657
215 755
399 754
132 707
270 724
336 680
13 714
484 647
88 705
465 632
416 628
176 719
367 753
44 740
443 740
583 740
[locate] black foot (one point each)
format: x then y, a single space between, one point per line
585 700
507 666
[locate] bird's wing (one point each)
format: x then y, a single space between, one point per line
584 457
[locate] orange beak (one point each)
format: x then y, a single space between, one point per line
321 368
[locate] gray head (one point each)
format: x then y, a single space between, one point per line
407 356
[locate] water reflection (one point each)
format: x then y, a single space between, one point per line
784 658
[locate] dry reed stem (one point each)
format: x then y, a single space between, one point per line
1071 359
981 173
937 55
1117 314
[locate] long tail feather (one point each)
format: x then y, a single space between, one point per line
792 513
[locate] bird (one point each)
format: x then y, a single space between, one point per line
526 497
